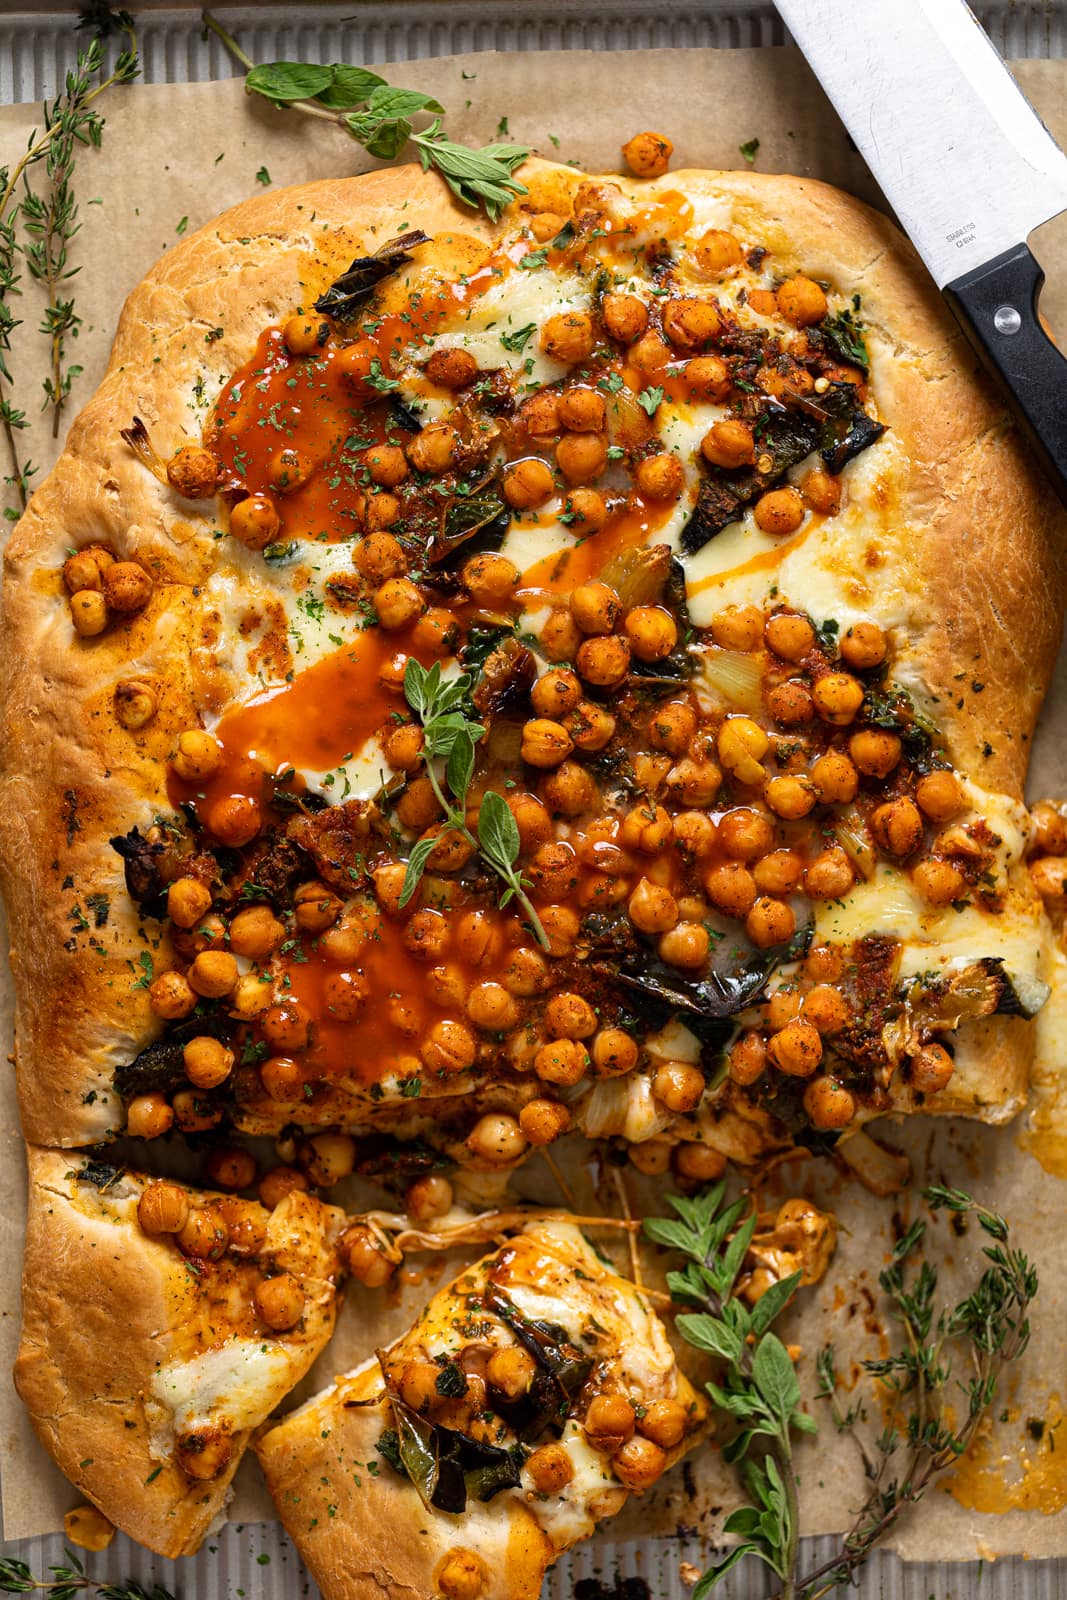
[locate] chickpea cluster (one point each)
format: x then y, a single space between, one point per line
102 588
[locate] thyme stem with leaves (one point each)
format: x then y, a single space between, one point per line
68 1581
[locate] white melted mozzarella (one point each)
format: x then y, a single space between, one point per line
523 299
239 1383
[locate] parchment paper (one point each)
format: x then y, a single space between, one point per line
176 155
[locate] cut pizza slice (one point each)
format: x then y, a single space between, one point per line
531 1398
160 1325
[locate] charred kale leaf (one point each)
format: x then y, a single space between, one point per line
344 297
160 1065
141 861
446 1467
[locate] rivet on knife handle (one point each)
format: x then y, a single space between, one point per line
997 307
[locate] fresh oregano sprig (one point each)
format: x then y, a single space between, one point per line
378 116
759 1388
989 1328
450 733
68 1581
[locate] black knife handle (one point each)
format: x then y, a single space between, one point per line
996 305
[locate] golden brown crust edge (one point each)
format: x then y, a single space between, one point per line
972 496
103 1307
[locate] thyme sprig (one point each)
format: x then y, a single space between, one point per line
989 1328
378 116
68 1581
759 1388
50 221
450 733
917 1388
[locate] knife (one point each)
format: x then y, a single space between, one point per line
969 168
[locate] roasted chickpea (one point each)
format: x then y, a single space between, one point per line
213 974
874 751
545 743
562 1061
355 363
85 568
614 1052
428 1197
328 1157
838 698
694 833
801 301
790 636
685 946
707 378
790 704
163 1208
449 1048
651 908
648 154
490 580
738 628
778 872
88 613
789 798
825 1008
254 521
346 995
898 827
304 334
550 1468
207 1061
581 457
234 819
562 925
779 511
664 1421
569 1016
462 1575
386 464
287 1025
822 493
148 1116
716 251
363 1257
660 477
828 1103
497 1140
491 1007
511 1370
588 511
691 324
127 587
279 1182
748 1058
545 225
728 443
1049 836
379 557
188 900
170 996
610 1420
344 942
382 511
652 632
834 778
433 449
543 1121
527 483
829 876
403 747
289 470
864 645
679 1085
583 410
795 1049
741 745
625 317
1049 877
570 790
824 963
203 1236
604 661
451 368
279 1302
770 922
398 603
136 701
590 726
568 337
639 1464
539 414
197 757
231 1169
930 1069
283 1079
556 693
650 354
560 637
697 1163
939 795
193 471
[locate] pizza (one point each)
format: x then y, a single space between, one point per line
534 1395
160 1326
479 685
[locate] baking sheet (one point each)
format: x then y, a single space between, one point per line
144 194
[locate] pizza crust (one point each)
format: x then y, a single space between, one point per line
105 1310
72 777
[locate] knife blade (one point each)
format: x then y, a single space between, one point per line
969 168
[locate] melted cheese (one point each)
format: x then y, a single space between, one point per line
523 298
238 1384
